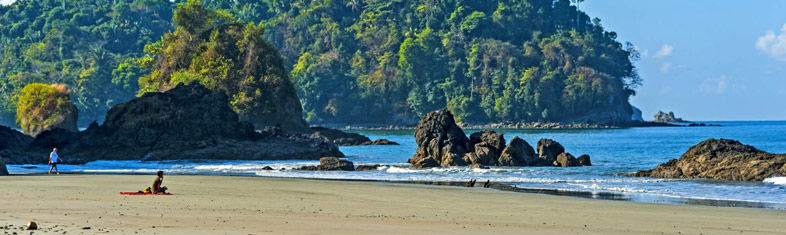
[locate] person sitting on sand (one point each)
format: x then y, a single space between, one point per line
157 188
53 160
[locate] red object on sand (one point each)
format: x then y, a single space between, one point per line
134 193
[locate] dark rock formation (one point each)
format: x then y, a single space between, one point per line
566 160
330 164
368 167
584 160
440 141
485 148
3 168
338 137
518 153
267 168
667 117
13 144
187 122
548 150
721 159
380 142
342 138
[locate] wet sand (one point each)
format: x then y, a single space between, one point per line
256 205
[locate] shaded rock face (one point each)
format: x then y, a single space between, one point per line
3 168
485 148
548 150
440 141
338 137
566 160
518 153
584 160
721 159
330 164
13 144
187 122
335 164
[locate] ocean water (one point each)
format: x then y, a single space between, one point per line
614 152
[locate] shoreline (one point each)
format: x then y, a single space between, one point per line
515 126
253 205
606 196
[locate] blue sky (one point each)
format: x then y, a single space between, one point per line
704 60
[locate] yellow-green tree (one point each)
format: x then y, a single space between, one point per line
41 107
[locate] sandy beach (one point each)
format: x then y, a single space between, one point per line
254 205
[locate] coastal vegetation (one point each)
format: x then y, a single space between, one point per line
373 61
41 107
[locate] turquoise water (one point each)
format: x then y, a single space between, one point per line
614 153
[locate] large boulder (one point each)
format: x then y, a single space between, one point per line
548 150
440 141
518 153
566 160
584 160
721 159
186 122
485 148
335 164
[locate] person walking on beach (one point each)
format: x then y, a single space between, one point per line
157 188
53 160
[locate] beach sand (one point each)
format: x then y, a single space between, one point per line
256 205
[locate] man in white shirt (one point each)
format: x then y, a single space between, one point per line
53 160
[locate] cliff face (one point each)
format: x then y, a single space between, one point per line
187 122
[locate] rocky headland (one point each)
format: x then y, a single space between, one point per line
669 117
443 143
342 138
187 122
721 159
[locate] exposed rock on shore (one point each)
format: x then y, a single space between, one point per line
442 143
330 164
187 122
12 144
721 159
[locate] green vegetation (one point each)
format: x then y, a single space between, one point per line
352 61
495 60
41 106
79 43
214 49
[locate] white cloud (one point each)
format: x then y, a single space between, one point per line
6 2
715 85
665 50
773 44
666 67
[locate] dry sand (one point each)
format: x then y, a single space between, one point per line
255 205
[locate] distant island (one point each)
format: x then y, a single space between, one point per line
377 62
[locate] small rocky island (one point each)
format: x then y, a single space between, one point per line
663 117
721 159
443 143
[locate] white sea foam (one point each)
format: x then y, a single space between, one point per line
776 180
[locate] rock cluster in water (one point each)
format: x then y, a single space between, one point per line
442 143
721 159
187 122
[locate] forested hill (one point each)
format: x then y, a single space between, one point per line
352 61
383 61
80 43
